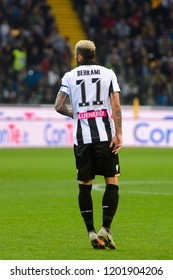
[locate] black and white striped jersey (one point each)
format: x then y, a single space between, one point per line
89 87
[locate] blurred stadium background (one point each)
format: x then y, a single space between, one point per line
37 38
134 38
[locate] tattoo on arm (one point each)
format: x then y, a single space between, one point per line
61 107
116 112
119 118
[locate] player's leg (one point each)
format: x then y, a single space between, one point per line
109 206
86 209
84 166
110 201
108 166
86 204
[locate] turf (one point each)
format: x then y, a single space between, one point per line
40 219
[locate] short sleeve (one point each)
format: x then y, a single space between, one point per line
65 84
115 85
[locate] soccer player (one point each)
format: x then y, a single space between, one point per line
95 107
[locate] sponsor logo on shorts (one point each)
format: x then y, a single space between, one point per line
117 167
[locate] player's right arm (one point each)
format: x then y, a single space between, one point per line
116 142
60 105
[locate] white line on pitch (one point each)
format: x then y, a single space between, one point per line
100 187
151 182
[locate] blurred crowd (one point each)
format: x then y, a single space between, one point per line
135 39
33 55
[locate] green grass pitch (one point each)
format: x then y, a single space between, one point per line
40 219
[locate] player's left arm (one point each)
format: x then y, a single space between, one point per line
60 105
116 142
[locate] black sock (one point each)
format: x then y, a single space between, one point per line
86 205
109 204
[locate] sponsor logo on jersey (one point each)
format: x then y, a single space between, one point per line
92 114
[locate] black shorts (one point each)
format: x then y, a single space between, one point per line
96 159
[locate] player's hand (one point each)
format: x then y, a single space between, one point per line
116 143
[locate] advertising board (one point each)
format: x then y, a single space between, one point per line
43 127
